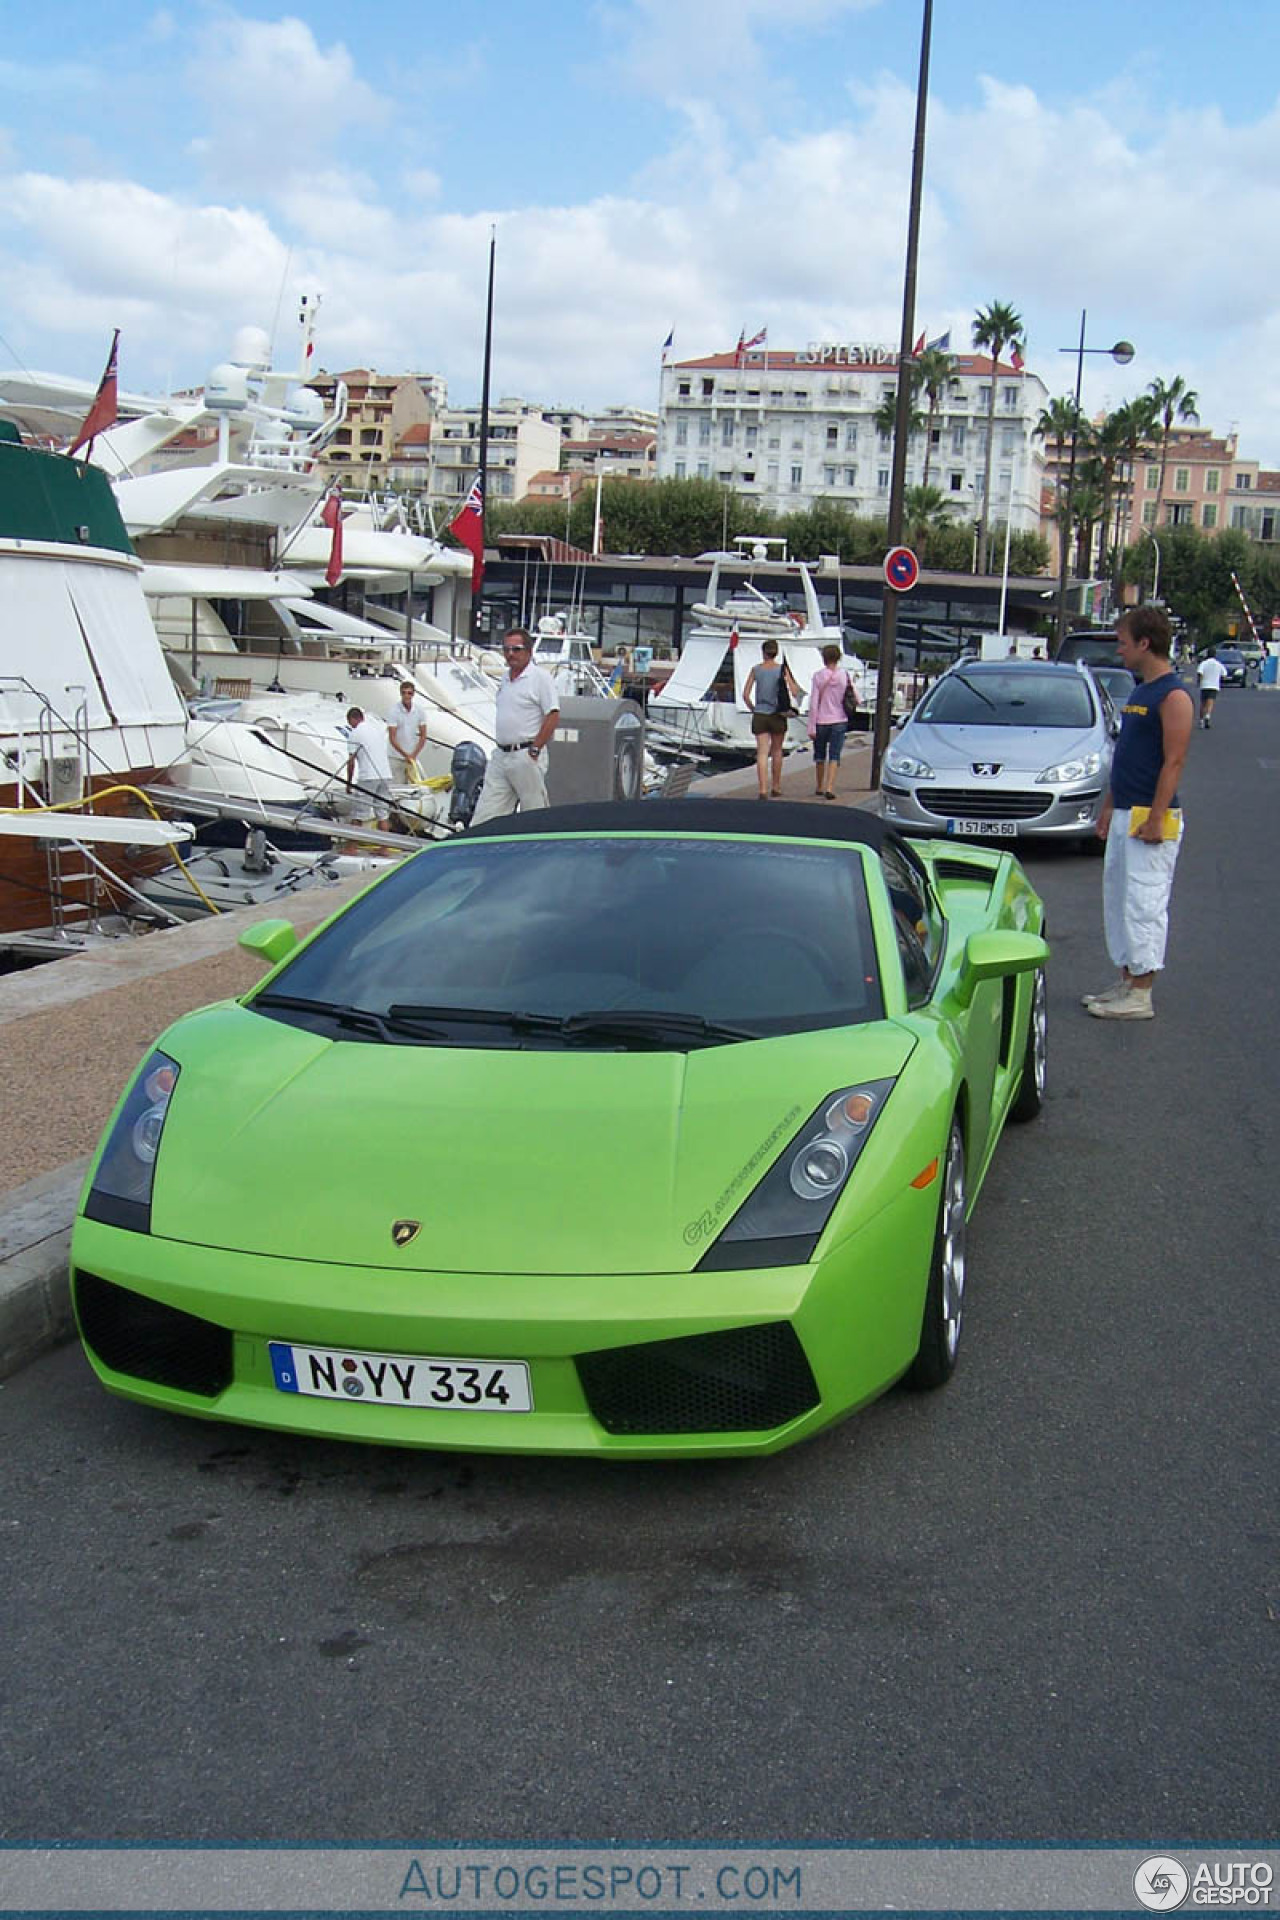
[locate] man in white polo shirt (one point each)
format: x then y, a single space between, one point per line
407 727
369 765
528 712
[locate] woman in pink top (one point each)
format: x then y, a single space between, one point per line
828 721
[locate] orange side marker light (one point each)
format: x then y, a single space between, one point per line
927 1175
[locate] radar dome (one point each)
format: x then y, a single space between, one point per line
227 389
252 349
303 408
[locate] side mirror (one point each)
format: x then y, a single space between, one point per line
990 956
271 940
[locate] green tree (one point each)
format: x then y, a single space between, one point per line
1059 424
1172 401
933 369
995 327
1135 425
926 512
886 414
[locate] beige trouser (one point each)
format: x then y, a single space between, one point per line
511 780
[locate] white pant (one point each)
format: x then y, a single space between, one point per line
1137 879
511 780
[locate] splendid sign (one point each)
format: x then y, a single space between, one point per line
822 353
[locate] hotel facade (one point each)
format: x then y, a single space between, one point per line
793 428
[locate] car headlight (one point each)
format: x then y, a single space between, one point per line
903 763
1069 770
779 1223
120 1195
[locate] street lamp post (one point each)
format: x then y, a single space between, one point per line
1122 354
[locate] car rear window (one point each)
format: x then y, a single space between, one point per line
765 936
1009 697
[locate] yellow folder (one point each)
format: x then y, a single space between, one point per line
1172 826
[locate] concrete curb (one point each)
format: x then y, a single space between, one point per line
35 1238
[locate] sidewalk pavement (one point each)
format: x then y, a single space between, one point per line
72 1031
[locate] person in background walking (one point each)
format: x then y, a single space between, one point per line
1210 674
828 720
527 714
1141 820
763 693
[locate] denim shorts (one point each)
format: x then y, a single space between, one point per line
828 742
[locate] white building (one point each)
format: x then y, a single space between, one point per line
521 443
793 428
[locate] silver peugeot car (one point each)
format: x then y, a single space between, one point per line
1003 748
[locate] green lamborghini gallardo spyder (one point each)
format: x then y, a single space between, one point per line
640 1129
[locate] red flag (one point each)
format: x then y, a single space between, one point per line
1016 357
331 514
739 352
102 414
919 346
467 526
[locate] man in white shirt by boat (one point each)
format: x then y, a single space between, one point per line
407 728
527 714
369 765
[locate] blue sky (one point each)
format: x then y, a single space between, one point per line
647 165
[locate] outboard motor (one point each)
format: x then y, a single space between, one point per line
466 770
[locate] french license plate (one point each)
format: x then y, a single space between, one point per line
1006 828
402 1380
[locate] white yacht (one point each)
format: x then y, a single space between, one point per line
702 708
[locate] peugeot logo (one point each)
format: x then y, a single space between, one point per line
986 769
403 1231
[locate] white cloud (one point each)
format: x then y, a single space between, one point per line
1051 209
274 103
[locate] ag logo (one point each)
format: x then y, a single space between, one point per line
403 1231
1161 1883
986 769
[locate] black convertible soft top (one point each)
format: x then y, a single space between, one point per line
788 820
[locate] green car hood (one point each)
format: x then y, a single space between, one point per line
281 1143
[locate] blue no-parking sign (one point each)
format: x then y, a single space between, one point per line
901 569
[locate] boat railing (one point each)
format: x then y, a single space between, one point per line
60 743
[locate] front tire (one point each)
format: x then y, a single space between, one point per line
935 1358
1035 1058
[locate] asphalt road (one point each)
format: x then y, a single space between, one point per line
1042 1604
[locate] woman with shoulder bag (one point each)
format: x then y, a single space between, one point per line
770 689
833 700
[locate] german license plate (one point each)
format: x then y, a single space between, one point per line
402 1380
1007 828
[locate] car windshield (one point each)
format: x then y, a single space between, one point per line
635 941
1009 697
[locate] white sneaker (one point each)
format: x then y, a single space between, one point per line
1133 1004
1108 993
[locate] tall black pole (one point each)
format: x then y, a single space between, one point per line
1066 528
902 416
483 449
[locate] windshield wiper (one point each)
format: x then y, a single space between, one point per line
964 682
354 1019
652 1026
406 1017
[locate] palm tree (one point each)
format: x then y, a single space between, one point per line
1060 423
933 371
1137 423
925 510
885 417
1172 400
995 328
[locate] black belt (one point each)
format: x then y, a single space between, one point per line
517 746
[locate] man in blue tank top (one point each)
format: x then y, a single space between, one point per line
1141 819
